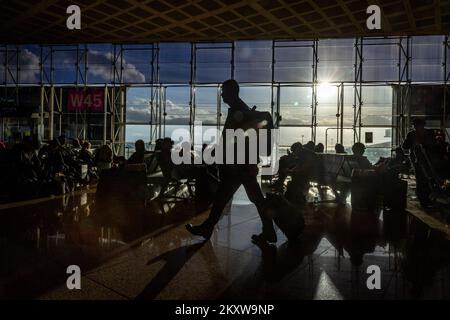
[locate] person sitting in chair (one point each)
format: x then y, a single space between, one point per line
138 156
358 150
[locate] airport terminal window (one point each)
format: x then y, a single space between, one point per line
100 63
290 135
46 61
175 62
380 59
381 146
213 63
336 60
427 58
349 96
206 105
259 96
253 61
177 106
377 107
138 105
329 136
29 62
10 60
65 65
295 105
137 64
327 96
293 61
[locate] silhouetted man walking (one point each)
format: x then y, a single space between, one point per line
232 176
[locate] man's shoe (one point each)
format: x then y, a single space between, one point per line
199 231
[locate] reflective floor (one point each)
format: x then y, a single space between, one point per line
128 252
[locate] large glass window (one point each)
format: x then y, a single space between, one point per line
137 64
100 63
213 62
290 135
11 55
253 61
206 105
177 106
336 60
259 96
175 62
427 58
293 61
295 106
380 59
327 98
377 105
65 60
29 63
138 105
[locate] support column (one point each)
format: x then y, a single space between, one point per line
314 91
51 113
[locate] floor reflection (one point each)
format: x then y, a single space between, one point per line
134 252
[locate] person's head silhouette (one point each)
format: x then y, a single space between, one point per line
358 149
230 92
418 124
139 146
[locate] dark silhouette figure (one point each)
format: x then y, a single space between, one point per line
286 163
358 150
305 169
138 156
418 141
310 145
339 148
234 175
320 148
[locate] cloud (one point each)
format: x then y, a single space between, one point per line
101 69
29 68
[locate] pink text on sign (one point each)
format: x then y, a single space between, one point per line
91 100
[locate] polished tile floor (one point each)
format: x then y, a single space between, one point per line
127 252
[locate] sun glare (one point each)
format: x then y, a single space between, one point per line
325 90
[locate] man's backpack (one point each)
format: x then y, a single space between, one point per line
262 120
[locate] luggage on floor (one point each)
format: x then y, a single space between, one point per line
288 217
395 194
364 190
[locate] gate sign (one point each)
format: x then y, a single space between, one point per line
91 100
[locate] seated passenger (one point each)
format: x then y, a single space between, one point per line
339 148
305 169
310 146
138 156
358 150
320 148
85 154
287 162
104 158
